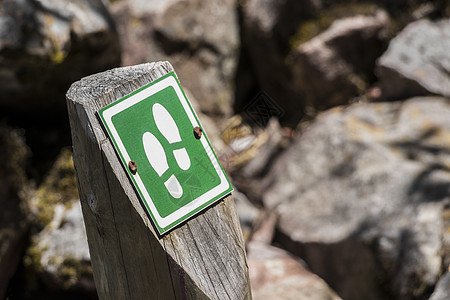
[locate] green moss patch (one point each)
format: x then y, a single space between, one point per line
58 187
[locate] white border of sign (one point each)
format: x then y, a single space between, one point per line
194 204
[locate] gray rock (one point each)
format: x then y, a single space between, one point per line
267 26
336 65
199 38
417 61
58 187
64 258
264 228
258 164
59 253
442 290
261 148
240 142
247 213
275 274
46 45
14 193
280 18
361 193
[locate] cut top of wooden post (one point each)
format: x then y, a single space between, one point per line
203 258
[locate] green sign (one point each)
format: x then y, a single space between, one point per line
175 171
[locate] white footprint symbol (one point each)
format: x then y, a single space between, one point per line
155 151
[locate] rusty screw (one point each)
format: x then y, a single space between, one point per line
132 166
198 132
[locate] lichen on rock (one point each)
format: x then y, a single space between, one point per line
58 187
59 253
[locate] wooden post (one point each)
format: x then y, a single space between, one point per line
202 259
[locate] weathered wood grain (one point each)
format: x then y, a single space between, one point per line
203 259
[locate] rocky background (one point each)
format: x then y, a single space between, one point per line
332 119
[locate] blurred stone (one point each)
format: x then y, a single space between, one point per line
258 164
446 236
280 18
247 213
59 253
361 194
198 37
336 66
14 189
251 153
241 142
46 45
265 227
417 61
274 274
249 150
267 26
58 187
442 290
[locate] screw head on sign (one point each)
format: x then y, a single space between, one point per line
198 132
132 166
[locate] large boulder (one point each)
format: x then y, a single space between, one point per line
276 274
60 252
308 54
46 45
14 193
199 38
417 61
338 64
59 255
442 291
361 196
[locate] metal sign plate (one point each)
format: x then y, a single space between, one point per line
175 174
